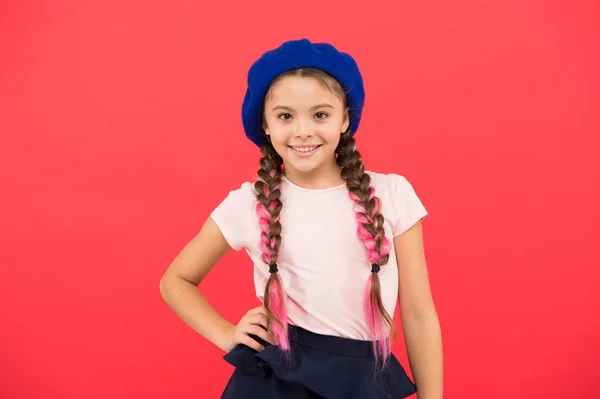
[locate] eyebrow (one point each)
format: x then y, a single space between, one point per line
284 107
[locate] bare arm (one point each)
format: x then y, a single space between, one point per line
420 322
179 289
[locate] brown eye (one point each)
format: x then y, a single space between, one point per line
284 116
321 115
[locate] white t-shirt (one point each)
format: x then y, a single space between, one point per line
322 262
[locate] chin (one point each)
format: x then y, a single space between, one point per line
304 168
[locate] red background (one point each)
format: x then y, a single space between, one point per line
120 131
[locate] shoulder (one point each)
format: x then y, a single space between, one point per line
233 215
399 199
390 189
244 192
238 199
246 189
389 183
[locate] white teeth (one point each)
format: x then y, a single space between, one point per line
304 149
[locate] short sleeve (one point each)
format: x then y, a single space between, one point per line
408 206
232 216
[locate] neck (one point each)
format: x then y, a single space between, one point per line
324 177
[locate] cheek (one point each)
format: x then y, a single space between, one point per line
330 134
280 137
280 133
332 130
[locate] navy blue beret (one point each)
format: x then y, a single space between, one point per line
299 54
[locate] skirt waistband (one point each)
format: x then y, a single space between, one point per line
329 343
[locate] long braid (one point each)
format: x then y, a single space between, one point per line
268 209
371 232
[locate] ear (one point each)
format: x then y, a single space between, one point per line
346 121
266 128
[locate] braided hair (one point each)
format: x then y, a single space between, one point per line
369 228
371 232
268 208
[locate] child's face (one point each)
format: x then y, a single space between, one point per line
304 121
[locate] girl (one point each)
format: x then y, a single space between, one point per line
334 247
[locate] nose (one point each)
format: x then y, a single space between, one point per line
303 130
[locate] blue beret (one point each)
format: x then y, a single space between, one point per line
299 54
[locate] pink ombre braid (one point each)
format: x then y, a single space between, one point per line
268 209
371 232
378 248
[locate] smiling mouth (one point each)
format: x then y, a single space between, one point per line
304 149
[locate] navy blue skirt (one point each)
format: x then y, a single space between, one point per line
321 367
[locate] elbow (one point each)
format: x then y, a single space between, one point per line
420 316
165 286
171 284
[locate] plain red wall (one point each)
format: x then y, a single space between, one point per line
120 131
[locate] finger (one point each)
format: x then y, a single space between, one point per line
246 340
258 310
259 332
258 320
